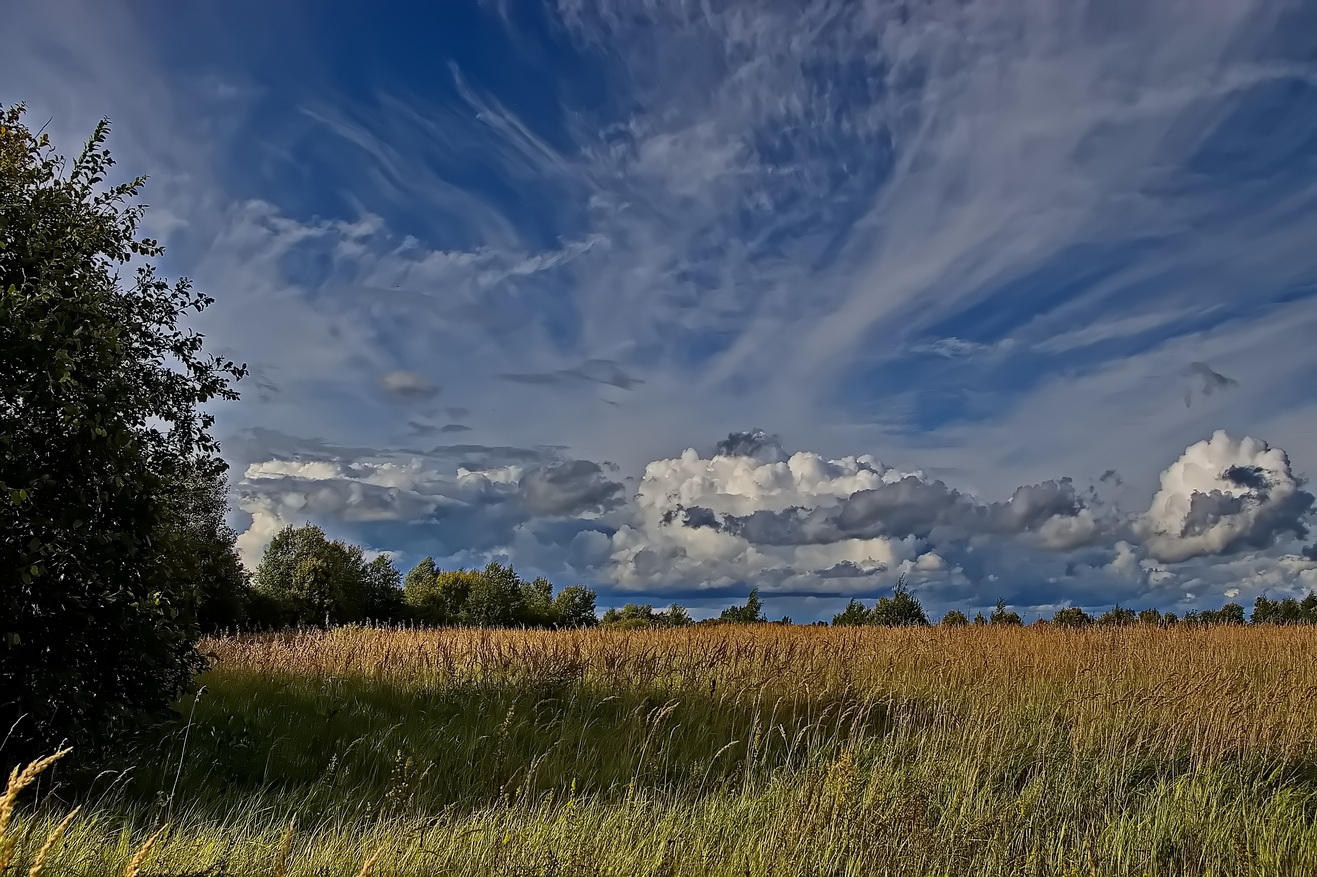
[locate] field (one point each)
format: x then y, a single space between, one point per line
725 750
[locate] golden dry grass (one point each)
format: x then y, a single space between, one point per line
736 750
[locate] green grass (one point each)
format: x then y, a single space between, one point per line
726 752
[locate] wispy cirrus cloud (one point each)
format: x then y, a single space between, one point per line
986 242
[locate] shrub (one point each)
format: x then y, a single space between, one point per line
1117 617
100 414
1001 615
1072 616
752 612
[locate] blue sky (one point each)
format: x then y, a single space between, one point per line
1020 295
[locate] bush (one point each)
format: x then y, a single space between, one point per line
493 597
313 580
752 612
100 395
1072 616
955 618
902 609
1117 617
1001 615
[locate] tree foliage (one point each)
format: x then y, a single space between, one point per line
642 615
306 578
902 609
750 612
1072 616
493 597
1001 615
100 422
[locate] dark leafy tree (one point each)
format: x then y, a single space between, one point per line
574 607
751 612
1118 616
436 597
902 609
955 618
495 599
854 615
1151 617
316 580
674 616
382 592
1286 611
537 603
1072 616
1002 615
199 545
101 394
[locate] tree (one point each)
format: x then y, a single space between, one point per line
674 616
574 607
752 612
902 609
101 391
955 618
315 580
853 615
1002 615
382 592
1072 616
1118 616
537 603
1151 617
199 546
437 597
495 598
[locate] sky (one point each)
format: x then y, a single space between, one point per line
1015 300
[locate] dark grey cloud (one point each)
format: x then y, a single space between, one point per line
259 443
1203 379
569 488
847 569
755 444
455 427
1252 477
603 371
598 371
909 506
474 456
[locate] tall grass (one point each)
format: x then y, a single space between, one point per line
756 750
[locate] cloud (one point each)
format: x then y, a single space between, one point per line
1225 496
599 371
817 217
408 386
477 509
1208 382
569 488
754 444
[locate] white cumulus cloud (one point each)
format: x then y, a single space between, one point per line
1221 496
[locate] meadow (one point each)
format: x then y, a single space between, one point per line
728 750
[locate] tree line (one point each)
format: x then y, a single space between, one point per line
903 609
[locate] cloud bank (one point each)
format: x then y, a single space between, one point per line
750 513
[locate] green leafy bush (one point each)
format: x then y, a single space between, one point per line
101 391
